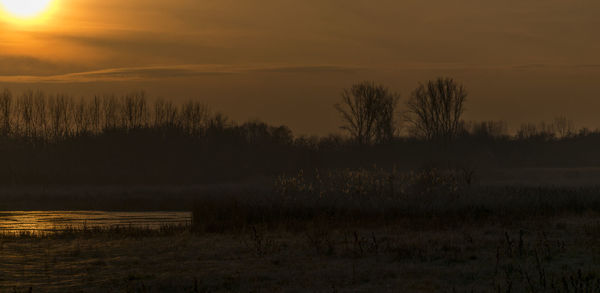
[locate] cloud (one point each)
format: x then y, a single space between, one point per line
161 72
136 48
593 66
118 74
529 66
27 65
308 69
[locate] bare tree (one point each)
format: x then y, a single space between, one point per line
527 131
368 111
194 116
111 108
82 117
135 110
159 113
435 109
171 113
165 114
95 110
6 106
25 118
40 125
486 129
61 115
563 126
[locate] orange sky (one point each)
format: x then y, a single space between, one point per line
287 61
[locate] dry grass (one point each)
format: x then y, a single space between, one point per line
538 255
79 231
377 197
318 237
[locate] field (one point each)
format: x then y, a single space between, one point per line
557 254
433 233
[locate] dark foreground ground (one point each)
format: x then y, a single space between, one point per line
499 236
558 254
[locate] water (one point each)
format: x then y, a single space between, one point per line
49 221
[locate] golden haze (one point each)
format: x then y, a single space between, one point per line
280 59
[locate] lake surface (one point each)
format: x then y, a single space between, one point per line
49 221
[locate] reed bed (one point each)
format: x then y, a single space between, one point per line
375 196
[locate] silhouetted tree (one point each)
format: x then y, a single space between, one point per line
368 111
558 129
435 109
95 113
135 110
563 126
194 117
6 106
487 129
61 115
257 132
25 111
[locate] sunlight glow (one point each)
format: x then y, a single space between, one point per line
25 9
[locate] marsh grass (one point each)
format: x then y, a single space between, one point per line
116 231
534 254
531 265
377 182
376 197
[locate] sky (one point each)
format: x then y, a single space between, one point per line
287 61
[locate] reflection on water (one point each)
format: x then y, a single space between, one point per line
53 221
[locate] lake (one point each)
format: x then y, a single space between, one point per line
49 221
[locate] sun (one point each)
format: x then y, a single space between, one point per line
25 9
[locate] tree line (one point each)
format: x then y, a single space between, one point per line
432 113
36 115
369 111
132 139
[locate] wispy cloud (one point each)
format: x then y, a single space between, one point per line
529 66
307 69
160 72
588 66
27 65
